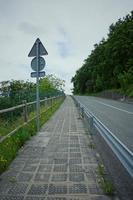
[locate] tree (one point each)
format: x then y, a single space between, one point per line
51 85
111 61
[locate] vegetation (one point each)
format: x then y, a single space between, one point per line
14 92
106 184
110 64
10 146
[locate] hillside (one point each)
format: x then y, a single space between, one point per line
110 64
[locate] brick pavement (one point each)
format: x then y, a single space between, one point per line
56 164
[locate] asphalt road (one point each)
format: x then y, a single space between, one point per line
116 116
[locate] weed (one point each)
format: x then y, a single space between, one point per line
12 179
92 145
106 185
101 170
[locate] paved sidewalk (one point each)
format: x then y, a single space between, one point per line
56 164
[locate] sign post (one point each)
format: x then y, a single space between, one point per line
37 64
37 89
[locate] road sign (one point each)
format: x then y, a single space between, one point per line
40 74
41 48
41 64
37 50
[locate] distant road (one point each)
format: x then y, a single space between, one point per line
117 116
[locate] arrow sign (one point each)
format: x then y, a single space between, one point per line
42 50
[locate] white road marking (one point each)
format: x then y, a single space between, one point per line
115 107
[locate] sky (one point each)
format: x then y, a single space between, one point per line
68 30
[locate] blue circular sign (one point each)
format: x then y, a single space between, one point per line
41 64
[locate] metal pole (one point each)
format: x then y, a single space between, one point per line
37 89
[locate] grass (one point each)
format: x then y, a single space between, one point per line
10 146
92 145
106 184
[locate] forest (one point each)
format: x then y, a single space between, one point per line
110 64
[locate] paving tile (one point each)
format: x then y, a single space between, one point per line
44 168
18 188
76 177
60 168
56 198
57 189
34 198
11 197
42 177
24 177
59 177
38 189
77 189
56 164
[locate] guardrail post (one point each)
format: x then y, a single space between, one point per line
91 124
25 112
51 103
82 112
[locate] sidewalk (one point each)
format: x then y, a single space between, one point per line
56 164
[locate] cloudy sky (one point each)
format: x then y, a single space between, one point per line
67 28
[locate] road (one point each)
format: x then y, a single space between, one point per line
116 116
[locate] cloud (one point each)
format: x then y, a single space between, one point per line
29 28
64 45
63 49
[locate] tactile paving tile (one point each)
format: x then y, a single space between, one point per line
62 150
23 177
77 188
73 137
57 189
101 197
89 160
64 144
18 188
93 189
45 168
38 189
79 198
42 177
11 197
75 161
35 198
60 168
75 155
76 168
17 165
74 145
76 177
9 174
59 177
60 161
56 198
29 168
75 150
33 161
61 155
47 161
4 188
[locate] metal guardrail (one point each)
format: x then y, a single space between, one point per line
24 107
121 151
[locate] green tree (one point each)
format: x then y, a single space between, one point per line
109 64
